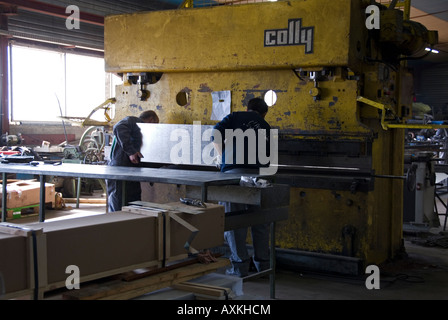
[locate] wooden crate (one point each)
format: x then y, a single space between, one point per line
104 245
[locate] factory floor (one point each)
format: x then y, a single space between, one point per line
419 274
422 275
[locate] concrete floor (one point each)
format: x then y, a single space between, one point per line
422 274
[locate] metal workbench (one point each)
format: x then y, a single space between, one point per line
273 202
201 179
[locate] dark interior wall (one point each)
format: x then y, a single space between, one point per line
431 87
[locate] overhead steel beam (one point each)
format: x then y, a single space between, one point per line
53 10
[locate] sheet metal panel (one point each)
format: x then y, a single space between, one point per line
177 144
183 177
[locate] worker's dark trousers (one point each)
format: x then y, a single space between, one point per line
115 193
236 239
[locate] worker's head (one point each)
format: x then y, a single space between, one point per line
258 105
149 116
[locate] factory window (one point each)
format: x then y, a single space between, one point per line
46 84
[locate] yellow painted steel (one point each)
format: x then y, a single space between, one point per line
389 125
187 4
335 113
200 51
228 37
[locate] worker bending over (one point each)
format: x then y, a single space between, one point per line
125 152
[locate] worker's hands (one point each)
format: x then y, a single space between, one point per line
135 158
217 162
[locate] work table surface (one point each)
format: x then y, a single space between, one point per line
156 175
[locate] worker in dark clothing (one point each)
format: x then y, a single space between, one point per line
125 152
250 122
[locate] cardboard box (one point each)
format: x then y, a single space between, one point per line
24 193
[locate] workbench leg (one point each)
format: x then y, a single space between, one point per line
272 257
4 197
204 193
124 196
107 201
78 192
42 199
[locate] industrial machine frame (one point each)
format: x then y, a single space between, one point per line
343 98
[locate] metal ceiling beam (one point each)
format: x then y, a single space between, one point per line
52 10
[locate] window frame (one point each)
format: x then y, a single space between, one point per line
52 48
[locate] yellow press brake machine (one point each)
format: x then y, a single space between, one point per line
342 97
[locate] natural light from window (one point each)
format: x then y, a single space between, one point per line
36 86
60 84
85 85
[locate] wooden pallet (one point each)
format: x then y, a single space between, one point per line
205 291
120 289
25 211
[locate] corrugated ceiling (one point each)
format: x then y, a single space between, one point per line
32 25
106 7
